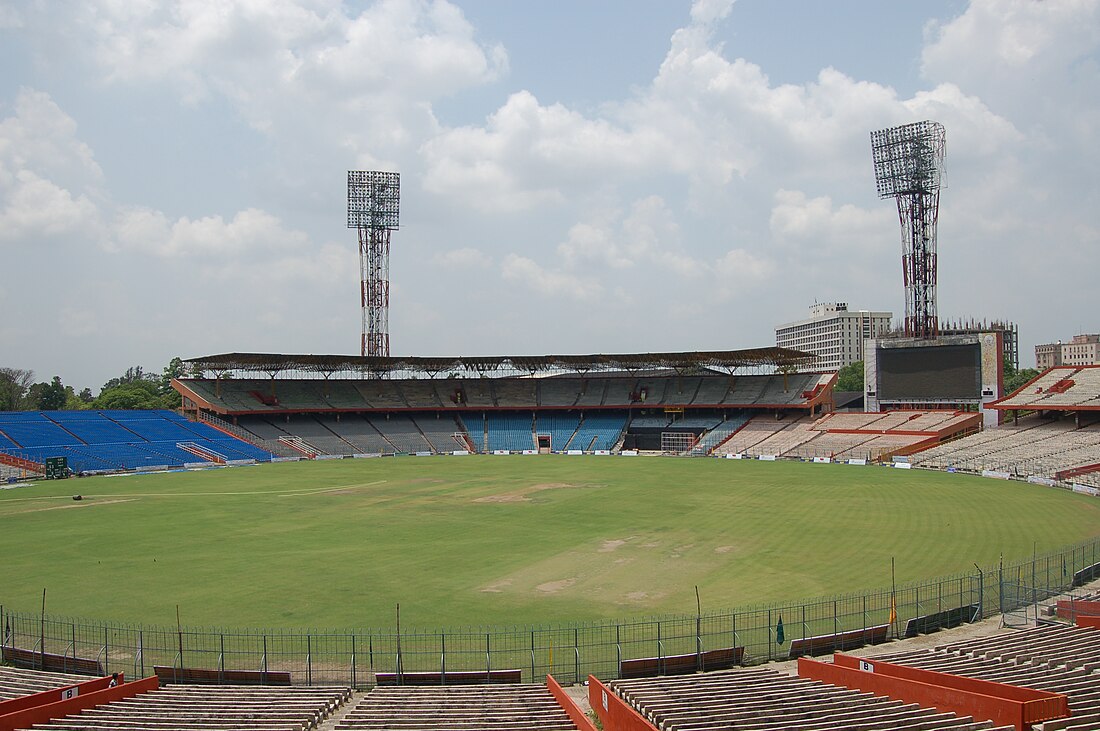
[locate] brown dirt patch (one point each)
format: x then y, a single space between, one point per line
553 587
611 545
498 587
521 495
85 503
508 497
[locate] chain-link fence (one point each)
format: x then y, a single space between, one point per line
569 652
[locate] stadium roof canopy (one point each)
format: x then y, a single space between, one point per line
724 360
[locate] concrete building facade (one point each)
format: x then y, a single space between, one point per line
833 333
1081 350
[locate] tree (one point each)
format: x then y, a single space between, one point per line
169 395
1013 378
850 377
134 374
76 401
48 396
14 384
129 396
136 389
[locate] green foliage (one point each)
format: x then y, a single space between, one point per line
1014 379
136 389
47 396
850 377
130 396
503 540
14 384
76 401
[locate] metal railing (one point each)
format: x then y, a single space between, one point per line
569 652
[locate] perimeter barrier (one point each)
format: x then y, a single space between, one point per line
569 652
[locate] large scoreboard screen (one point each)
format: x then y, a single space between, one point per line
933 372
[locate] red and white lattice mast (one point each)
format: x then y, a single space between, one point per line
374 205
909 168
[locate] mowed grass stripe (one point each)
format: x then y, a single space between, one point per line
504 540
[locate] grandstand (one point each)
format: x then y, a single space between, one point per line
481 707
1054 432
184 708
498 404
1062 388
871 436
111 440
1058 658
767 698
17 683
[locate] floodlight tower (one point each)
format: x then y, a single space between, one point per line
374 202
908 167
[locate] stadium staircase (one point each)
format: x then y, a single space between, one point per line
300 446
1077 471
203 453
21 464
244 435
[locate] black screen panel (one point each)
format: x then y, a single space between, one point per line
940 372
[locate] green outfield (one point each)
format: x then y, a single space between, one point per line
502 540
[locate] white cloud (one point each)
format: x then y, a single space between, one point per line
739 270
709 184
528 155
815 228
39 136
549 282
466 257
33 207
10 18
997 43
357 79
48 177
248 232
709 11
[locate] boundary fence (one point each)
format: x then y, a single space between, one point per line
569 652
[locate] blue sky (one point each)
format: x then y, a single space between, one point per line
576 176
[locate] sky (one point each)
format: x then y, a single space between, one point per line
616 176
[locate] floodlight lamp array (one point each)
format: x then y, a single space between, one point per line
374 199
908 159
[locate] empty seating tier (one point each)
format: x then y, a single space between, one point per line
16 682
183 708
474 707
241 396
1057 658
119 440
1034 446
767 699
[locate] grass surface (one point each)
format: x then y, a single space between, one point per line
502 540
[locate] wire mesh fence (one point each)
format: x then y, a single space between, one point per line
569 652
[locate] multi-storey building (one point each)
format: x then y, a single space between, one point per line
1081 350
1048 355
833 333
